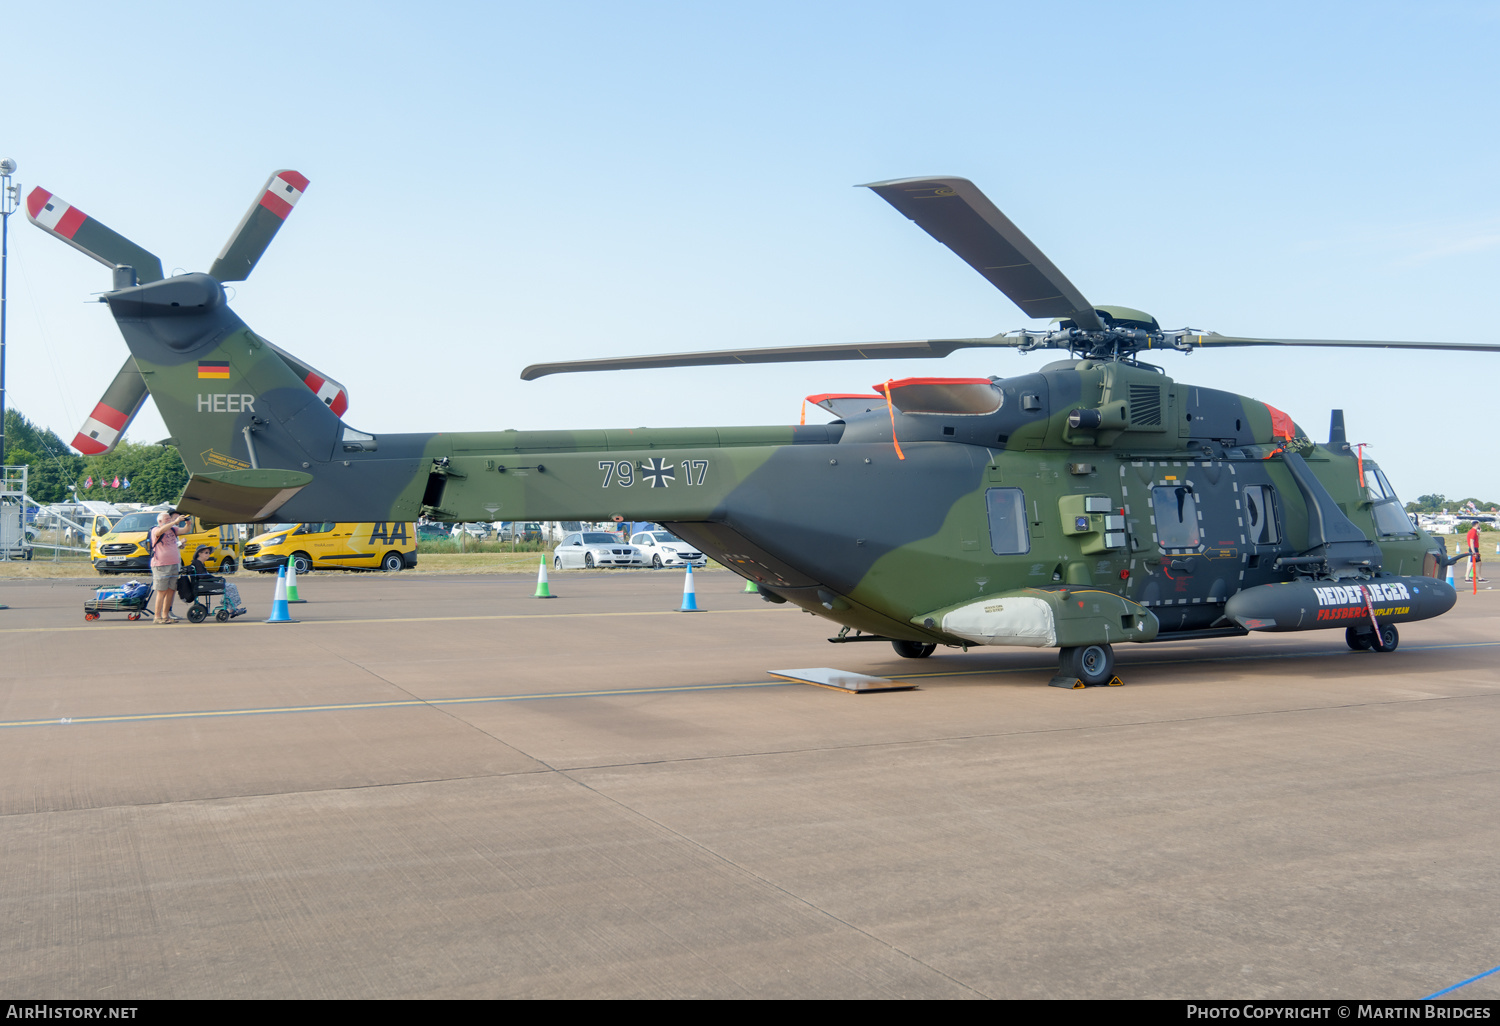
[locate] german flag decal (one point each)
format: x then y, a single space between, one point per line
214 369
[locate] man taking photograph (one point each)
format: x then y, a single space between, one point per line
166 562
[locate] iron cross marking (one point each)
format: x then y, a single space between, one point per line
659 472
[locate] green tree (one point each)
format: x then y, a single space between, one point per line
51 465
1427 504
155 473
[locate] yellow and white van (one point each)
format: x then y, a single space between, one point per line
125 548
380 546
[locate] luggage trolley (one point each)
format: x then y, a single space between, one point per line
130 600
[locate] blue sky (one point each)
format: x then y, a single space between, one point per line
496 184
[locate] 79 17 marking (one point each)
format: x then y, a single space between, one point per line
659 472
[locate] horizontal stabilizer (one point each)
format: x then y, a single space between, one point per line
273 204
89 236
241 496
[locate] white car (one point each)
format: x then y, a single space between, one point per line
663 548
595 548
477 530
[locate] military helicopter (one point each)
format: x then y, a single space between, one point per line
1093 502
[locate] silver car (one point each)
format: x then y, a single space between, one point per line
663 548
595 548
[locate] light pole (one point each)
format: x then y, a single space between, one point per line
10 193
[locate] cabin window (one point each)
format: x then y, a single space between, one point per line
1390 517
1176 511
1260 515
1007 514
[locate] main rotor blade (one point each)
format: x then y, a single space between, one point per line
259 226
918 349
1210 340
112 414
957 214
87 235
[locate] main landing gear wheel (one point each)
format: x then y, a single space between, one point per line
1363 639
1092 664
913 649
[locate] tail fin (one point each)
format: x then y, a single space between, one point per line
241 416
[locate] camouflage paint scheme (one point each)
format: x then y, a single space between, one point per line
1091 502
826 516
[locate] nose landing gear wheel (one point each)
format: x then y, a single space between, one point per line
1090 665
1389 637
1362 640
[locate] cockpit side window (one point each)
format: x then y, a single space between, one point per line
1390 515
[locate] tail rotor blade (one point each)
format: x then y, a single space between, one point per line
122 400
956 213
259 226
334 395
87 235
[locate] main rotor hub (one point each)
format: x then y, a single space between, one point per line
1113 343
